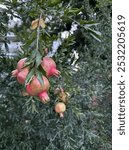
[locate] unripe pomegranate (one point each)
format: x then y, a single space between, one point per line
21 64
35 87
43 96
60 108
14 73
21 76
49 66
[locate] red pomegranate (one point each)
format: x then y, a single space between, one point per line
21 64
43 96
35 87
60 108
21 76
49 66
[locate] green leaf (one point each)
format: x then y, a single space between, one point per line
42 70
36 98
72 11
95 37
53 2
32 55
33 43
47 33
29 76
39 77
88 23
94 34
27 62
34 109
38 59
31 40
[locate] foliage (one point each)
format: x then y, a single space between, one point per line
25 122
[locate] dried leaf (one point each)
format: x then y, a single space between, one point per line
42 23
36 23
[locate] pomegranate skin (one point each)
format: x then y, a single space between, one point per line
43 96
49 66
35 87
21 64
53 72
14 73
21 77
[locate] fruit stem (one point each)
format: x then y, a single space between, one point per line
38 33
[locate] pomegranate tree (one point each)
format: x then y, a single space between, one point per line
31 75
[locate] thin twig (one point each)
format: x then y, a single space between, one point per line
38 33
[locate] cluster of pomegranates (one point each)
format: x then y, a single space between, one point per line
34 87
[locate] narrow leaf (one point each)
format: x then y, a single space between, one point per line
29 77
39 77
38 59
95 34
88 23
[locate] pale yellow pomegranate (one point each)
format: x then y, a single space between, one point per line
60 108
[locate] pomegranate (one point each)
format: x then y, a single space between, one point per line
43 96
21 64
21 76
60 108
49 66
35 87
14 73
